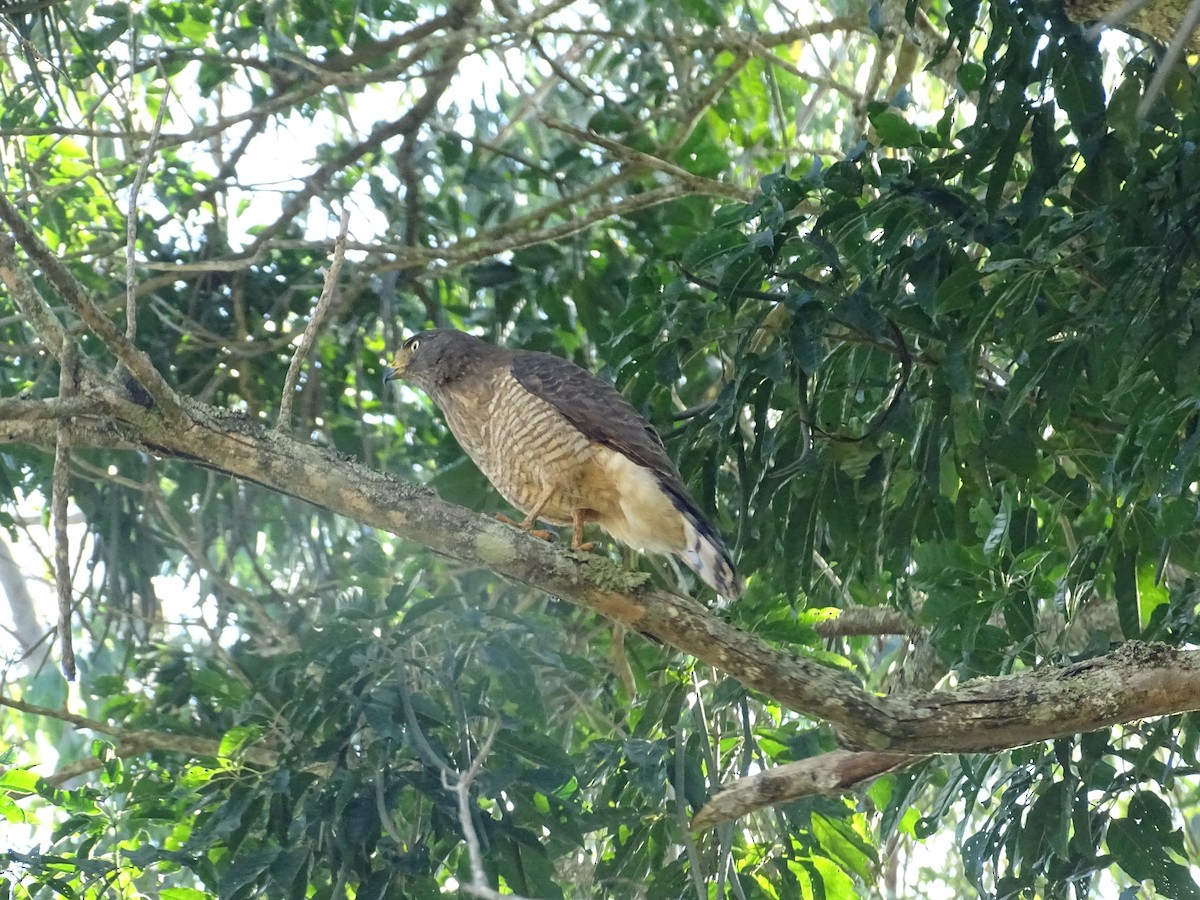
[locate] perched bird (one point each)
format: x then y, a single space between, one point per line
564 447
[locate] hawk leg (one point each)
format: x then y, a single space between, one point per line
526 525
577 542
529 523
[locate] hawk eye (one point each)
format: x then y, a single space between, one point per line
413 343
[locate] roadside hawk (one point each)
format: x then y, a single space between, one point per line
564 447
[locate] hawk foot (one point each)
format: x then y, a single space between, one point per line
540 533
585 547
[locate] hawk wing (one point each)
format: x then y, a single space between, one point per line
597 409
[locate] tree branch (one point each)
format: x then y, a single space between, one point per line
460 783
1137 681
318 181
828 773
60 492
862 620
636 159
315 323
28 300
131 743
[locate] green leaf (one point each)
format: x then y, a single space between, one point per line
894 131
841 843
1143 844
958 291
20 781
1125 589
710 247
998 531
1046 831
970 76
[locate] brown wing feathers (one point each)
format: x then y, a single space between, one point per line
593 406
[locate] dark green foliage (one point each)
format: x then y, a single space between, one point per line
952 369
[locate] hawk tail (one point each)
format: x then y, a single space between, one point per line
705 554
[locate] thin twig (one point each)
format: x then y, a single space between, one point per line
461 786
132 743
317 182
315 322
464 253
61 715
131 218
1166 66
60 492
625 154
80 300
766 55
416 737
533 102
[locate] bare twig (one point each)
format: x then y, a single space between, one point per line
697 183
756 48
61 715
60 493
1166 66
533 102
460 784
131 219
317 183
132 743
315 322
458 255
707 98
385 816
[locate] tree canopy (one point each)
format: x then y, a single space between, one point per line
911 291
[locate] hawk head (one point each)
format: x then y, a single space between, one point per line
433 359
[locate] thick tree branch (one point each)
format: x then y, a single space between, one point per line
1137 681
28 300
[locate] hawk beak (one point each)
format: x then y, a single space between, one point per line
396 369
